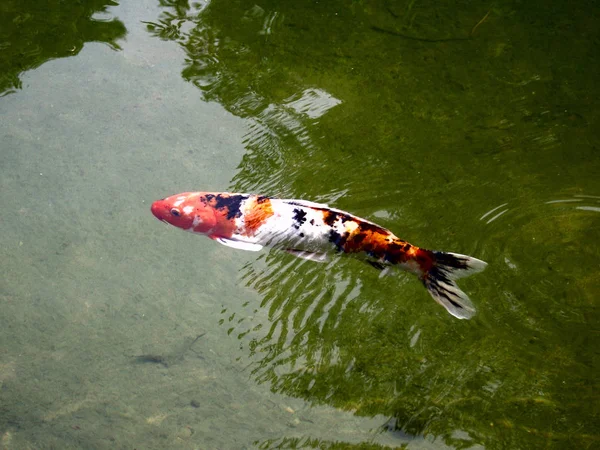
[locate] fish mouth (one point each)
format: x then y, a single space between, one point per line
159 210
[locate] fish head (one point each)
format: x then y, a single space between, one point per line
189 211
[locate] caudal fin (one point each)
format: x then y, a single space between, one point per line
439 281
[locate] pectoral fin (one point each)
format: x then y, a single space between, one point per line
311 256
385 272
239 244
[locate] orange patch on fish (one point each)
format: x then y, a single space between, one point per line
224 227
257 214
424 258
360 239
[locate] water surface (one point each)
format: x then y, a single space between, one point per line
464 127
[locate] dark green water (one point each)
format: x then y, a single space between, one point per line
461 126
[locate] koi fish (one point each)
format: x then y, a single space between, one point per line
314 231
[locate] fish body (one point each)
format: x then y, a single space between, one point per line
315 231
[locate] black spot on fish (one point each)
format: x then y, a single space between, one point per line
358 238
338 239
394 246
299 217
366 226
329 218
302 235
230 202
262 198
446 259
395 251
207 198
312 221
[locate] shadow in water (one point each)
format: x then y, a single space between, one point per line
34 32
295 443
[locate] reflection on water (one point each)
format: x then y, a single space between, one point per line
33 32
482 145
337 334
274 129
313 102
452 142
492 211
279 110
582 198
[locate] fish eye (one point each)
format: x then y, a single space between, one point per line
175 212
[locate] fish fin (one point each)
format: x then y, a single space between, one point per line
307 203
376 264
240 245
386 271
311 256
383 268
439 281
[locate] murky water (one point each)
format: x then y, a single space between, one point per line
461 127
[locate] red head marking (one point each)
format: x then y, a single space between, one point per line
188 211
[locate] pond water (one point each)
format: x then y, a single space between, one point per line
462 126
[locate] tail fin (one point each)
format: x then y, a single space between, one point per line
439 281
